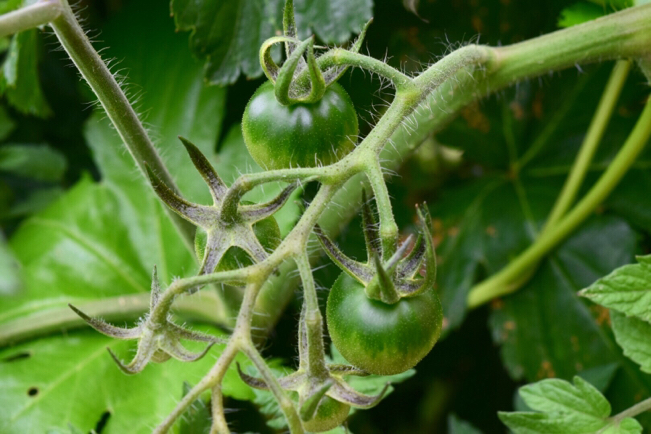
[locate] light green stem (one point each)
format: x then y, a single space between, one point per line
34 15
639 408
316 366
388 227
201 307
286 405
590 142
500 284
116 105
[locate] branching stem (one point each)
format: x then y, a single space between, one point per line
500 283
590 143
466 74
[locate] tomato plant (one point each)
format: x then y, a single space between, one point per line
302 134
503 186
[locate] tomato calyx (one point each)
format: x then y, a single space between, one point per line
299 79
324 397
227 223
389 279
158 339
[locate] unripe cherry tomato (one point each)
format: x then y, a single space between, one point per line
380 338
299 135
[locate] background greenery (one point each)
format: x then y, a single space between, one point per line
84 226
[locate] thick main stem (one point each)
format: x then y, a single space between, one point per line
499 284
115 104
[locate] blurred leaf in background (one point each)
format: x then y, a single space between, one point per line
229 34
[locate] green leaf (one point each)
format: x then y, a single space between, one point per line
634 336
458 426
197 418
9 5
229 34
38 162
554 395
600 376
627 290
71 379
536 341
491 214
20 76
10 275
7 125
32 202
579 13
563 407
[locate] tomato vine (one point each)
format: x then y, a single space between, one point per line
320 396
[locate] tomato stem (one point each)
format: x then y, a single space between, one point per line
639 408
116 105
501 283
590 143
34 15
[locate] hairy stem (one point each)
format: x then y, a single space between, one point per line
286 404
214 377
388 226
622 34
499 284
341 57
316 366
116 105
34 15
219 424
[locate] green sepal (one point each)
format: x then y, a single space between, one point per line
158 339
269 67
309 406
381 286
284 80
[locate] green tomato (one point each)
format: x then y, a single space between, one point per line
299 135
329 415
380 338
266 230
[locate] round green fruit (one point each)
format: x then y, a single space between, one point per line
380 338
299 135
329 415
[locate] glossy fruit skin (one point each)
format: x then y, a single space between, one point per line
380 338
299 135
329 415
267 232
